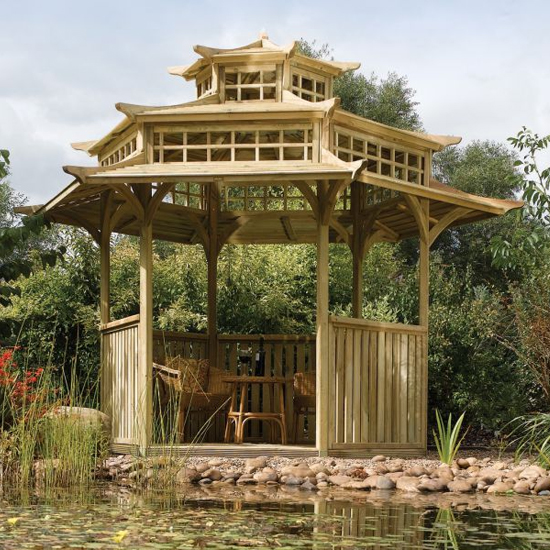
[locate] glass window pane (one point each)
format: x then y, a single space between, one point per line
344 141
173 138
307 84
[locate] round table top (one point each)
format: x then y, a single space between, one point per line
255 379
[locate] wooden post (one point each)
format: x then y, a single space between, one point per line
104 296
322 332
144 388
212 259
356 251
423 314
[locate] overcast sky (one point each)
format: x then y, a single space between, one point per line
480 68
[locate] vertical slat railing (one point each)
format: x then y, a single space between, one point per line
120 357
376 386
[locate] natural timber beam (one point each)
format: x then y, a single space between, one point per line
71 218
161 192
418 213
446 221
231 229
288 228
126 191
212 253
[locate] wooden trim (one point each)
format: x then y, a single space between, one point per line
376 325
172 335
417 211
132 200
119 323
268 337
446 221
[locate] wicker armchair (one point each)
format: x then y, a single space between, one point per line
304 397
199 386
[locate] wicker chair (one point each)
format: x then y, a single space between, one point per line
304 397
199 386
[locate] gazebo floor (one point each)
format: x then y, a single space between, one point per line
244 450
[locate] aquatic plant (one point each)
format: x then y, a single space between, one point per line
530 436
447 439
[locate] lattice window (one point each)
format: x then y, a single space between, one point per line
251 198
384 159
192 195
288 144
309 86
121 153
250 84
204 87
377 195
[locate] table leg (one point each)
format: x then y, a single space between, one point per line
239 436
232 409
283 415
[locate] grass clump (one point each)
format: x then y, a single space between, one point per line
447 439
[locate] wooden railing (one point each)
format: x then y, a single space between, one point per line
284 356
119 384
377 385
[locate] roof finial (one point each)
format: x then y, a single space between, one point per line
263 35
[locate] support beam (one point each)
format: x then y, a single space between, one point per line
105 257
322 381
212 259
144 388
357 250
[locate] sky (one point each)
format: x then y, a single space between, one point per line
480 68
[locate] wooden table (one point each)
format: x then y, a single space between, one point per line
239 415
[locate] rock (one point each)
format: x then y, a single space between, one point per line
319 468
83 415
339 479
381 468
394 476
543 484
500 487
416 471
231 475
293 480
246 481
432 485
378 458
212 473
463 463
308 486
500 465
253 464
532 472
395 466
215 462
489 475
205 481
460 486
187 475
408 484
363 485
384 483
544 493
298 470
522 487
322 476
322 485
357 473
264 477
202 467
472 460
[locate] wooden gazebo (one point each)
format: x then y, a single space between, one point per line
265 155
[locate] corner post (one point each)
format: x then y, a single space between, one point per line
357 251
212 260
104 297
322 322
144 414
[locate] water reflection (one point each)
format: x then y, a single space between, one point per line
202 517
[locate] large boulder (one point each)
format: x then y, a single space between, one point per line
82 415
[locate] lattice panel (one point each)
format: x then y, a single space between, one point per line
384 159
121 153
250 198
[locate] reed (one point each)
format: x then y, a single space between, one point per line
447 439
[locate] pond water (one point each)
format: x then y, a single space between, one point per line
110 517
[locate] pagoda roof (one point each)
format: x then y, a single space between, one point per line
261 49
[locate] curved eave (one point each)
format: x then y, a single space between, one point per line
336 68
85 146
258 46
418 139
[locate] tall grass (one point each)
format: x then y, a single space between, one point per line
42 438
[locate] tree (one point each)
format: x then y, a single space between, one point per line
532 238
19 253
387 100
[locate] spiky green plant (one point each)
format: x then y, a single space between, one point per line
447 437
